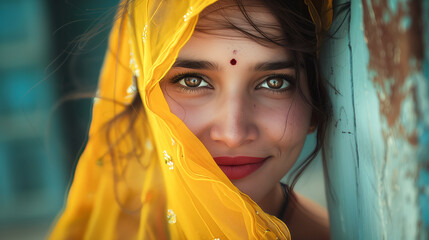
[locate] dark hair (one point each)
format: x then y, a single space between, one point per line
298 37
301 40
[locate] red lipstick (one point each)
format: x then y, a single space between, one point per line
239 167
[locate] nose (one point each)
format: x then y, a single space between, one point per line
235 123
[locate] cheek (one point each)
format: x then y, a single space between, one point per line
175 107
196 117
286 122
193 115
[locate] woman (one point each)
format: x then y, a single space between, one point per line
191 138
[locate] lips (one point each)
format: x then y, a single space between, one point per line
239 167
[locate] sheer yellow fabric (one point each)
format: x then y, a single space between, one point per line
170 187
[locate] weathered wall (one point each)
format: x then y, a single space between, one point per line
378 144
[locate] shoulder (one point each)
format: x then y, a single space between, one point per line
306 219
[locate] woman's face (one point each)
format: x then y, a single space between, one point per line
240 99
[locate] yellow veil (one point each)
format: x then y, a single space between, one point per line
170 187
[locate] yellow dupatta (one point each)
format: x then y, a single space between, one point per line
170 187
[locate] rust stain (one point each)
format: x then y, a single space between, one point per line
391 48
413 139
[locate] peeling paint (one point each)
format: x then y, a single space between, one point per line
396 46
379 141
405 23
390 52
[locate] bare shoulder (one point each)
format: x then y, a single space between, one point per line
307 219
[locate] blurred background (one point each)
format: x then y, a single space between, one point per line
41 134
46 74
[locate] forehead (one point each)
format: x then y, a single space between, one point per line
225 27
251 18
215 48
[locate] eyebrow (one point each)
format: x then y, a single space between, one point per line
195 64
270 66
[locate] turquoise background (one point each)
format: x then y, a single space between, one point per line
40 136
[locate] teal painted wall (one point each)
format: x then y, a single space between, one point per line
377 153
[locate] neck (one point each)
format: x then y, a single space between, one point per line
273 201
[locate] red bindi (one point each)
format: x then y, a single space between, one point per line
233 61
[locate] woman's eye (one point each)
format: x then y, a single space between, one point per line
193 82
277 83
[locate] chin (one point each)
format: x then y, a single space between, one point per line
256 185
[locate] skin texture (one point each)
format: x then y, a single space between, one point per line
306 219
250 108
234 115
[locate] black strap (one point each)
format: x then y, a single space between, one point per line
285 202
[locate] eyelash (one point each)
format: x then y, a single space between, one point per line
176 79
288 78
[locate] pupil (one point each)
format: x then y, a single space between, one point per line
192 82
274 83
